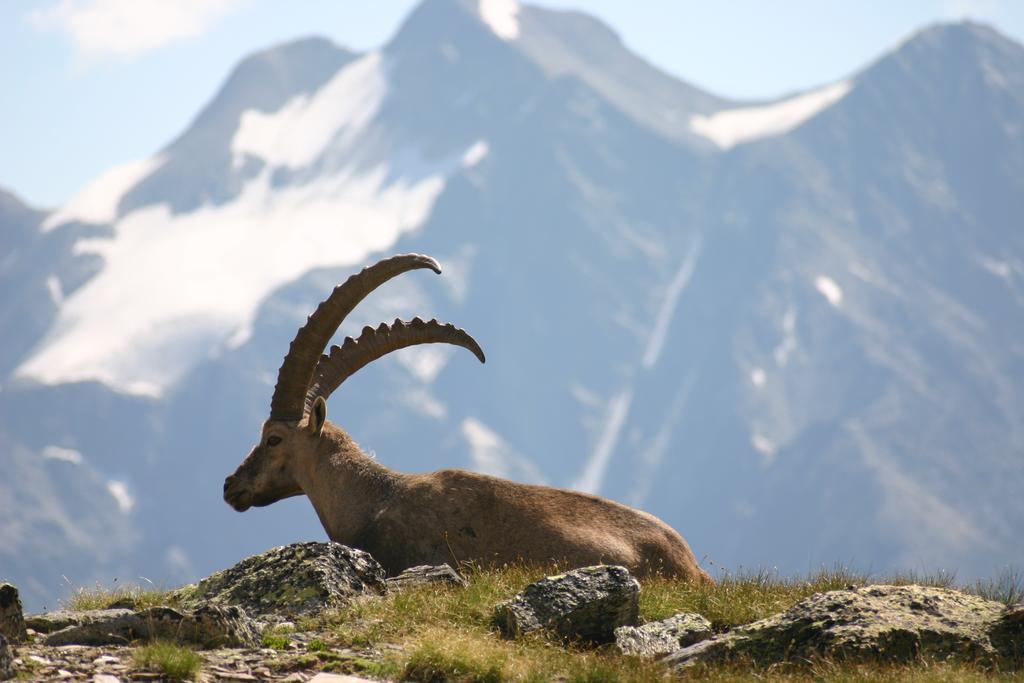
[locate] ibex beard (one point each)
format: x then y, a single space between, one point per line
405 520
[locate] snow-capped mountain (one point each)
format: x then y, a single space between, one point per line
791 329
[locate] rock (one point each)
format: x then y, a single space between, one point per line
12 620
889 623
660 638
6 659
586 604
207 626
61 619
105 678
424 575
337 678
1007 636
290 580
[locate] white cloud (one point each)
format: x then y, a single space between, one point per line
125 28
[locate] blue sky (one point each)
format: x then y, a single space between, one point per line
91 83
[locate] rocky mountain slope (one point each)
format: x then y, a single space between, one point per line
790 329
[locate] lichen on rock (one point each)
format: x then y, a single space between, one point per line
659 638
290 580
873 623
585 604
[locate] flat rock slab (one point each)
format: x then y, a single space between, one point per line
584 604
50 622
207 626
659 638
873 623
424 575
290 580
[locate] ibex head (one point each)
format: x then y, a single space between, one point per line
298 409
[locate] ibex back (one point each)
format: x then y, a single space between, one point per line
409 519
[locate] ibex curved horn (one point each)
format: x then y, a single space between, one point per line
353 354
296 373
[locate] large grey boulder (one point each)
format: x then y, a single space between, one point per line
6 659
584 604
12 619
206 626
659 638
290 580
888 623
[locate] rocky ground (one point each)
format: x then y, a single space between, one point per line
277 617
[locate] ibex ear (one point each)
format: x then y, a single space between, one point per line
318 415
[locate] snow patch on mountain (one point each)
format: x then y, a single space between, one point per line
176 286
98 201
475 154
334 116
492 455
731 127
424 362
118 490
593 472
502 16
62 454
55 289
670 303
828 288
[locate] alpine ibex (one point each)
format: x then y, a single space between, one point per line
409 519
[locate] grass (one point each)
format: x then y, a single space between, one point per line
102 597
174 661
276 641
445 633
1007 588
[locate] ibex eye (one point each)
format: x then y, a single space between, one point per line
273 441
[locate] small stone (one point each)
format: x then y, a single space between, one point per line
586 604
105 659
105 678
660 638
337 678
426 575
12 619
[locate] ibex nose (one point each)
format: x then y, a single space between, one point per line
227 484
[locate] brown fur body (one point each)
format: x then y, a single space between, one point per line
449 515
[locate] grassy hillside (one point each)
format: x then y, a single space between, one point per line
443 633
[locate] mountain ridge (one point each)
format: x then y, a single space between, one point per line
772 344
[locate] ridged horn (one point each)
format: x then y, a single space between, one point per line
296 373
353 354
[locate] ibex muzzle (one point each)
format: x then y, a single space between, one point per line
444 516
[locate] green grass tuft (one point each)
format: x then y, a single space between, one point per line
102 597
316 645
174 661
276 641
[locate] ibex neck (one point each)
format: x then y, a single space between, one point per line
346 487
